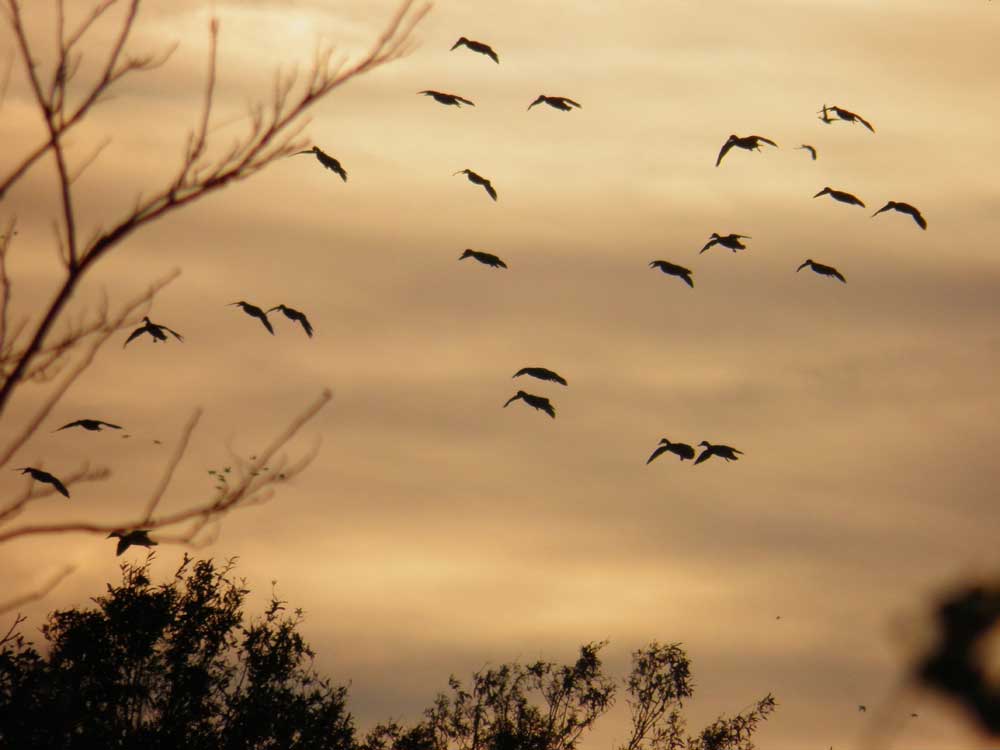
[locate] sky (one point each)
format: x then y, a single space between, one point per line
435 531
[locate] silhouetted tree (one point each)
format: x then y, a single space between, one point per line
544 706
170 666
65 76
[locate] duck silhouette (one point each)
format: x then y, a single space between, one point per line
295 315
732 241
840 195
542 373
126 539
562 103
822 270
94 425
43 476
681 450
684 274
538 402
748 142
476 179
722 451
254 312
488 259
155 330
449 99
326 160
482 49
903 208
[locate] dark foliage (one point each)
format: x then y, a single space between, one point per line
545 706
170 666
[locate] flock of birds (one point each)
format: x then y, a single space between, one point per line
734 242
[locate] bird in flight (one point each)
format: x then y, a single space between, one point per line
904 208
443 98
538 402
488 259
681 450
810 149
478 180
126 539
43 476
326 160
254 312
482 49
557 102
840 195
153 329
684 274
748 142
821 269
722 451
846 115
94 425
732 241
542 373
295 315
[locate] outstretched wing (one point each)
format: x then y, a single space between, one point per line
464 101
492 55
489 189
766 140
108 424
72 424
515 397
864 122
723 151
886 207
548 408
567 100
305 324
134 335
912 211
705 455
173 333
60 487
539 100
658 452
838 275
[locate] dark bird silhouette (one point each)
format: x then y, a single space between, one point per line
326 160
722 451
538 402
821 269
732 241
254 312
154 330
674 270
478 180
862 708
840 195
542 373
748 142
810 149
488 259
94 425
126 539
849 116
824 115
904 208
43 476
453 99
557 102
681 450
298 317
482 49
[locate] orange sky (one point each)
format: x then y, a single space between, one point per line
436 531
